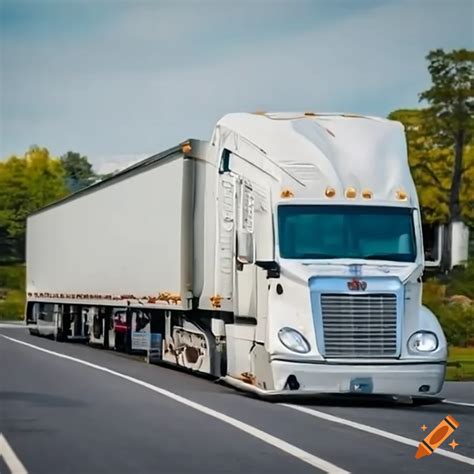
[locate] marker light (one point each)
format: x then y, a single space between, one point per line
422 341
367 194
293 340
287 193
351 193
186 148
401 195
330 192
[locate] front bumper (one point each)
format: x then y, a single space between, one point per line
400 379
415 379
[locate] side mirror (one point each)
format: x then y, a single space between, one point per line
244 247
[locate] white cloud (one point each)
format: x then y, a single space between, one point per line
110 164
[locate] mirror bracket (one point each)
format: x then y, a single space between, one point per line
272 267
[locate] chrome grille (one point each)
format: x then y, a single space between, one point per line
360 326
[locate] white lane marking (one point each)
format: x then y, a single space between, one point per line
376 431
461 404
12 326
10 458
251 430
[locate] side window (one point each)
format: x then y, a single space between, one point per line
224 165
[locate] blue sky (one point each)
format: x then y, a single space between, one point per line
120 79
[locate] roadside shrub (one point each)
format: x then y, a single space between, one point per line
458 324
434 292
461 281
456 318
13 277
13 306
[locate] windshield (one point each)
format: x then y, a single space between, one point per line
366 232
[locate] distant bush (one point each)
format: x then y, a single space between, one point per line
13 277
461 281
458 324
455 316
13 306
12 292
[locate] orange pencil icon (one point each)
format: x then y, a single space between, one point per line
436 438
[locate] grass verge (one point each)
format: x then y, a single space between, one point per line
12 292
460 364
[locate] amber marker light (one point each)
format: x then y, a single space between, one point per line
367 194
401 195
351 193
186 148
287 193
330 192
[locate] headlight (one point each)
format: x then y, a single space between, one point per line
423 341
293 340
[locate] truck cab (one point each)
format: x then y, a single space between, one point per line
325 275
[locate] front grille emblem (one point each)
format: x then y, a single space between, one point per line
357 285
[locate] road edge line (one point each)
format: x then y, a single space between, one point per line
10 458
376 431
267 438
461 404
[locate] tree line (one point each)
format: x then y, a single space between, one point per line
439 136
30 182
440 149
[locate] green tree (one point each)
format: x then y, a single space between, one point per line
439 141
78 170
26 184
451 112
432 168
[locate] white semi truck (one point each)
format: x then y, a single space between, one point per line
285 256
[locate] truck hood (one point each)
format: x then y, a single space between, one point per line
345 268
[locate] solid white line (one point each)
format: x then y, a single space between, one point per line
251 430
12 326
461 404
376 431
10 458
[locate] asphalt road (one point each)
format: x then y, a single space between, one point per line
97 411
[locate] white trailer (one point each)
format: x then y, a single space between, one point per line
285 256
446 246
